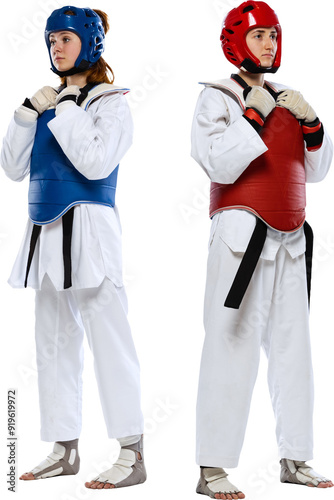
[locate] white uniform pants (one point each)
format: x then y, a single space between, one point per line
61 319
274 315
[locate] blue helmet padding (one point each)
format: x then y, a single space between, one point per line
87 25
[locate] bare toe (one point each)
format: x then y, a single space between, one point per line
241 495
323 485
104 486
93 485
108 486
27 476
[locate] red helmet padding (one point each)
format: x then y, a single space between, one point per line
239 22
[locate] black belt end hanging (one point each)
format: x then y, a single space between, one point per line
308 257
251 257
33 241
67 242
247 266
67 224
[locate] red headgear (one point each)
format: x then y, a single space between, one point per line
237 24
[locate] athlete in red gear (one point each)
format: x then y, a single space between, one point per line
259 142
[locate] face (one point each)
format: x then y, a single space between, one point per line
65 49
262 42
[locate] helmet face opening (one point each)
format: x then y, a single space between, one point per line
87 25
238 22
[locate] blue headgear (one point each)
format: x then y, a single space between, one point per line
88 26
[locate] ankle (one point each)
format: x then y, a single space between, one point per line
69 444
129 440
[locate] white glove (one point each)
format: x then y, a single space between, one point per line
72 90
67 98
43 99
296 104
260 99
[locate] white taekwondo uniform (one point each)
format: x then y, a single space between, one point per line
274 311
94 139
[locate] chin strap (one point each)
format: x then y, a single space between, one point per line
81 68
250 67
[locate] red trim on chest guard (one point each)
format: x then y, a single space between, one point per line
310 130
273 186
253 115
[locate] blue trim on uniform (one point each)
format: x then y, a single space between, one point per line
107 91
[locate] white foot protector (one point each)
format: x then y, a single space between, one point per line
128 470
63 461
214 480
297 472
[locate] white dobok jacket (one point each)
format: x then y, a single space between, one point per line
95 140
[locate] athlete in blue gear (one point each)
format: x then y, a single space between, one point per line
71 140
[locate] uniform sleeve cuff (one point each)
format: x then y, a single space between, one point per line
64 105
25 116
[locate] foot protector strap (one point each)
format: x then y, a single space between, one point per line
128 470
214 480
297 472
64 460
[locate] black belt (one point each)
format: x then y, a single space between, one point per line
67 221
250 260
308 257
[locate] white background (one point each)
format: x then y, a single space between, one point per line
161 50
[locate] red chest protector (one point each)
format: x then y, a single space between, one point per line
273 186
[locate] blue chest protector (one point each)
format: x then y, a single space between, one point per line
55 184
